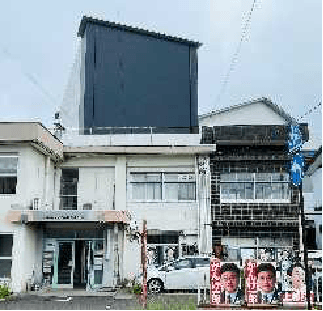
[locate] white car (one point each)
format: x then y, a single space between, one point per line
184 273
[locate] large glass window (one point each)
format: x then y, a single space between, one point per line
179 186
254 186
8 174
162 186
146 186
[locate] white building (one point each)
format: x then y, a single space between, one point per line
71 212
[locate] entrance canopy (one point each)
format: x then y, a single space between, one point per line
67 216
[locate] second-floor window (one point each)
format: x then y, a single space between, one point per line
162 186
254 187
8 174
68 191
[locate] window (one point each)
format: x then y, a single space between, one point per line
179 186
146 186
182 264
162 186
8 174
254 186
5 255
68 195
202 262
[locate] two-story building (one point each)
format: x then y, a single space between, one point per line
255 208
69 213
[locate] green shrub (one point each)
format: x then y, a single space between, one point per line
137 288
4 292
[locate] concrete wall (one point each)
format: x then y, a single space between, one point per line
27 245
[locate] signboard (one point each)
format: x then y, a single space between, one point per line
215 281
63 215
251 281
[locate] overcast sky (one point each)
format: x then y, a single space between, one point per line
280 57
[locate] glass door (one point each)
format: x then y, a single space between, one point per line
93 267
64 263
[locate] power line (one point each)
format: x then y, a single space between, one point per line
29 76
235 56
311 110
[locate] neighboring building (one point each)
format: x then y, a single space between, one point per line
312 192
129 77
255 210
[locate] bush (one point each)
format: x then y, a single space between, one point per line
137 288
4 292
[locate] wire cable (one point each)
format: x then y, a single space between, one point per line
234 59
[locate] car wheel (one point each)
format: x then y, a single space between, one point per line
155 286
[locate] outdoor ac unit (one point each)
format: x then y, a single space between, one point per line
87 206
36 204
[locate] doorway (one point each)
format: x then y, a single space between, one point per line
79 277
78 264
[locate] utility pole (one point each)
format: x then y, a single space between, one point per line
304 236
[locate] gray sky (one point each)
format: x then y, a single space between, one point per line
281 55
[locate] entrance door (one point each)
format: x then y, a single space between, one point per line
64 265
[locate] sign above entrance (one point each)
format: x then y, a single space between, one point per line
64 215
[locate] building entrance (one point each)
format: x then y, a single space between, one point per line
76 263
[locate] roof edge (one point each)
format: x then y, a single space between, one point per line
90 20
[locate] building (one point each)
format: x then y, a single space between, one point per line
74 204
312 192
255 209
70 214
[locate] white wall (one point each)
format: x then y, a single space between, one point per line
96 187
253 114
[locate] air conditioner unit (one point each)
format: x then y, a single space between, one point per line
36 204
87 206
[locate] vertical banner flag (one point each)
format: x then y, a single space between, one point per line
251 282
215 281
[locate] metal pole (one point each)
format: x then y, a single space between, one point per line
307 280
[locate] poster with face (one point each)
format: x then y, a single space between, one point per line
297 296
231 292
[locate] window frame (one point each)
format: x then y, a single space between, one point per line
163 183
8 257
254 183
5 155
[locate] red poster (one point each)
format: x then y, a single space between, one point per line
251 282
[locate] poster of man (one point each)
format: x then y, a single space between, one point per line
230 279
266 278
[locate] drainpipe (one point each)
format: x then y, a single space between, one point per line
45 195
116 256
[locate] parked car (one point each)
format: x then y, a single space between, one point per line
184 273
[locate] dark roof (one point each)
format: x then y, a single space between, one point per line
89 20
263 100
